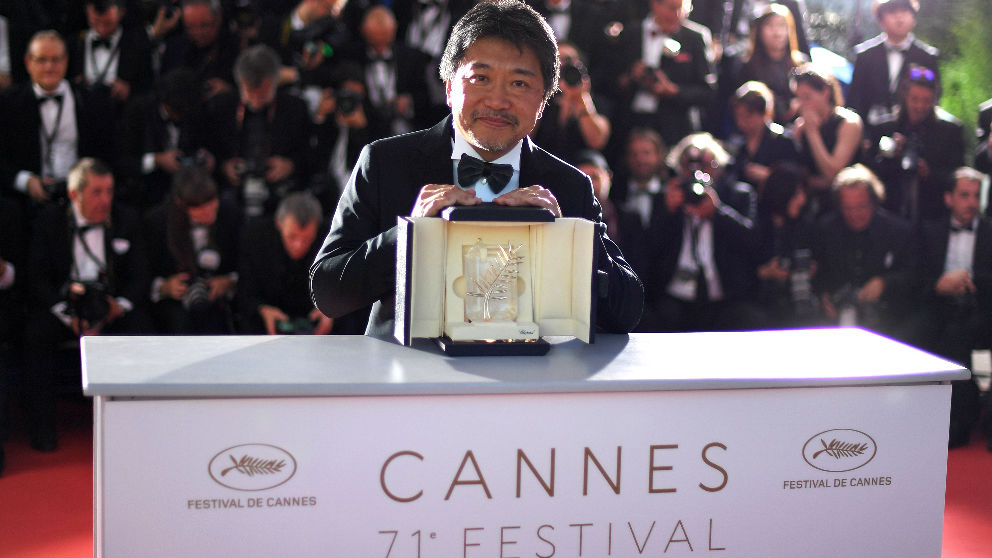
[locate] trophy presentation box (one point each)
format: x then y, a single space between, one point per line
487 280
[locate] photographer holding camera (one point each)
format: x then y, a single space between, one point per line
262 134
916 151
571 121
86 276
194 243
701 275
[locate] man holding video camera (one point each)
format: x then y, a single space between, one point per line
86 276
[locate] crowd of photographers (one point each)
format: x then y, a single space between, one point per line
170 166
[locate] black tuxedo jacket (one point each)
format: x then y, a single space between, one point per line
356 265
268 276
134 65
50 258
692 70
941 145
983 159
870 81
410 68
225 237
20 122
932 237
735 242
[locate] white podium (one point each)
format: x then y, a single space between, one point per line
824 443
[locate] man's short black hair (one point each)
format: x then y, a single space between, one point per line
511 21
882 7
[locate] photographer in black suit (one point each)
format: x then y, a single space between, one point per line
500 68
193 245
86 276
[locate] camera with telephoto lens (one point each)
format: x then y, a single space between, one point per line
197 297
573 72
87 300
295 326
911 154
56 190
694 188
347 101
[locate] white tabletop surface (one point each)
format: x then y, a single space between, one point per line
250 366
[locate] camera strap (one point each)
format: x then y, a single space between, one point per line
80 231
100 75
48 137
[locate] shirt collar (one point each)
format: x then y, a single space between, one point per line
113 38
79 219
62 89
973 223
906 43
459 147
652 29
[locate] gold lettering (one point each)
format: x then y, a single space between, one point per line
585 472
723 471
478 480
549 488
382 477
652 469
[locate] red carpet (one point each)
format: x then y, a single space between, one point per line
46 500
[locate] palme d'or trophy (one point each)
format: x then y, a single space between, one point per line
491 275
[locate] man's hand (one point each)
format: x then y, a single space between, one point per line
219 286
772 270
435 197
230 169
175 286
706 207
872 290
955 283
36 188
324 324
271 315
168 161
279 168
534 196
120 90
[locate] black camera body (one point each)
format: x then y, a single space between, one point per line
87 300
573 73
56 190
197 297
694 188
347 101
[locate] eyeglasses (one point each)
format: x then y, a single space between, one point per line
919 72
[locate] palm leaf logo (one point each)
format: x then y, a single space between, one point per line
252 466
838 449
498 278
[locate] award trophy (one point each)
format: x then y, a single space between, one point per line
489 280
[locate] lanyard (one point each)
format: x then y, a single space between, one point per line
49 138
110 60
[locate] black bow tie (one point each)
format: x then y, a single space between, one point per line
471 170
83 229
57 98
962 228
100 42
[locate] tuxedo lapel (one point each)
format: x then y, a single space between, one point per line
434 155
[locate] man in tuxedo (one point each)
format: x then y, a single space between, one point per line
499 68
865 258
671 78
274 295
13 252
916 151
395 76
48 124
956 276
882 62
86 276
206 46
700 274
260 135
110 56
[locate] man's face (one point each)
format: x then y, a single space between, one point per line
963 201
856 207
260 96
106 23
46 63
496 96
379 28
601 180
205 213
643 158
919 103
897 24
296 240
201 24
96 198
668 14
